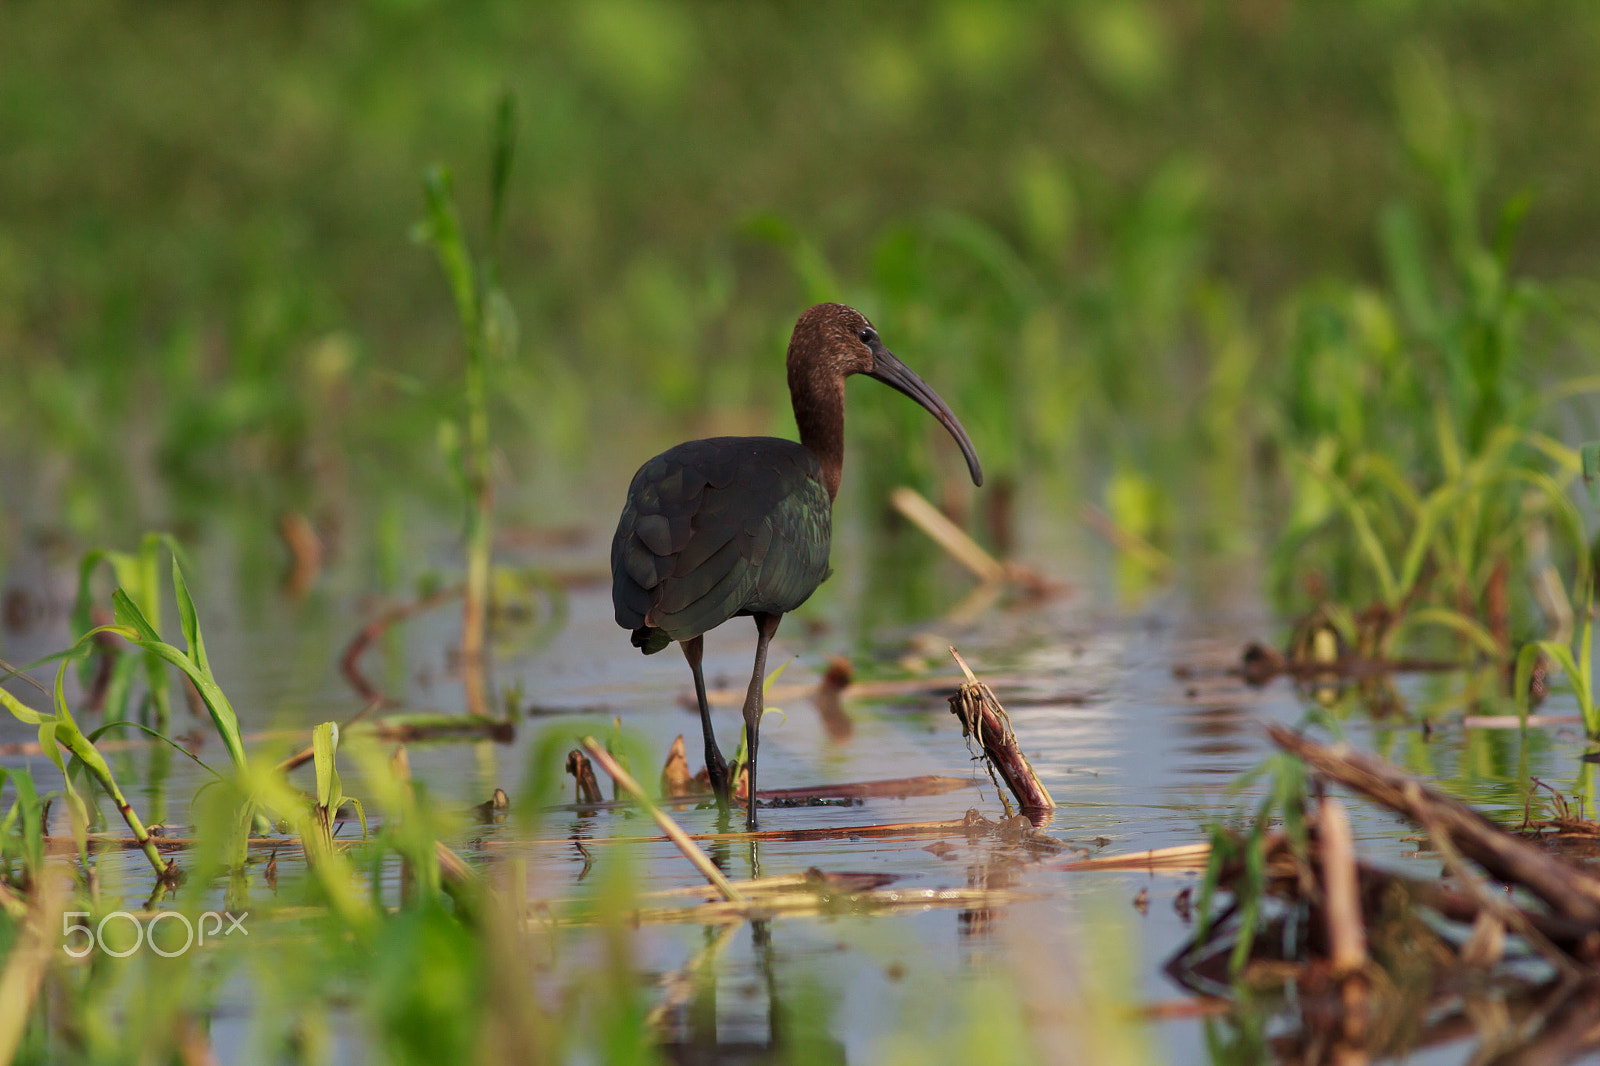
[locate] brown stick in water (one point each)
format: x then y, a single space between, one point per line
983 720
350 661
588 786
1569 890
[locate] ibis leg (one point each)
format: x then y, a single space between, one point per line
716 768
766 626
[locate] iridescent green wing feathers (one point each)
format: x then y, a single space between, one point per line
717 528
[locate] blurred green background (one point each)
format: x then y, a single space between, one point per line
1145 249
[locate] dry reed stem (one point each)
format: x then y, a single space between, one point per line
800 904
1491 902
1511 721
984 720
1189 1007
1569 890
1180 858
453 868
1347 936
674 832
756 888
945 533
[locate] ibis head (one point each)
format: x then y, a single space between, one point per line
832 342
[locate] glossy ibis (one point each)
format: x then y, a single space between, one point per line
734 526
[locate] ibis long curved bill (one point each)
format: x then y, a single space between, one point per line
887 368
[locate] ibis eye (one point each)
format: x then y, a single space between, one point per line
868 336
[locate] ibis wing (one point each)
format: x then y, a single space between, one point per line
717 528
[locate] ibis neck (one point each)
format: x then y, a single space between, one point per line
819 413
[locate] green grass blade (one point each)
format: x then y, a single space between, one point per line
188 619
1449 443
504 151
131 625
1590 453
22 712
1566 513
1568 459
1422 537
32 814
443 233
324 743
1566 390
1468 627
128 615
361 814
222 714
95 764
1366 537
153 734
77 810
1383 469
1591 714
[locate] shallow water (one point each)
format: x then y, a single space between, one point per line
1129 716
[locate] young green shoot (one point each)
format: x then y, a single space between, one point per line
488 333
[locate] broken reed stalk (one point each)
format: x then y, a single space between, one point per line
983 720
1568 890
453 869
588 787
1347 935
949 536
674 831
818 900
1179 858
